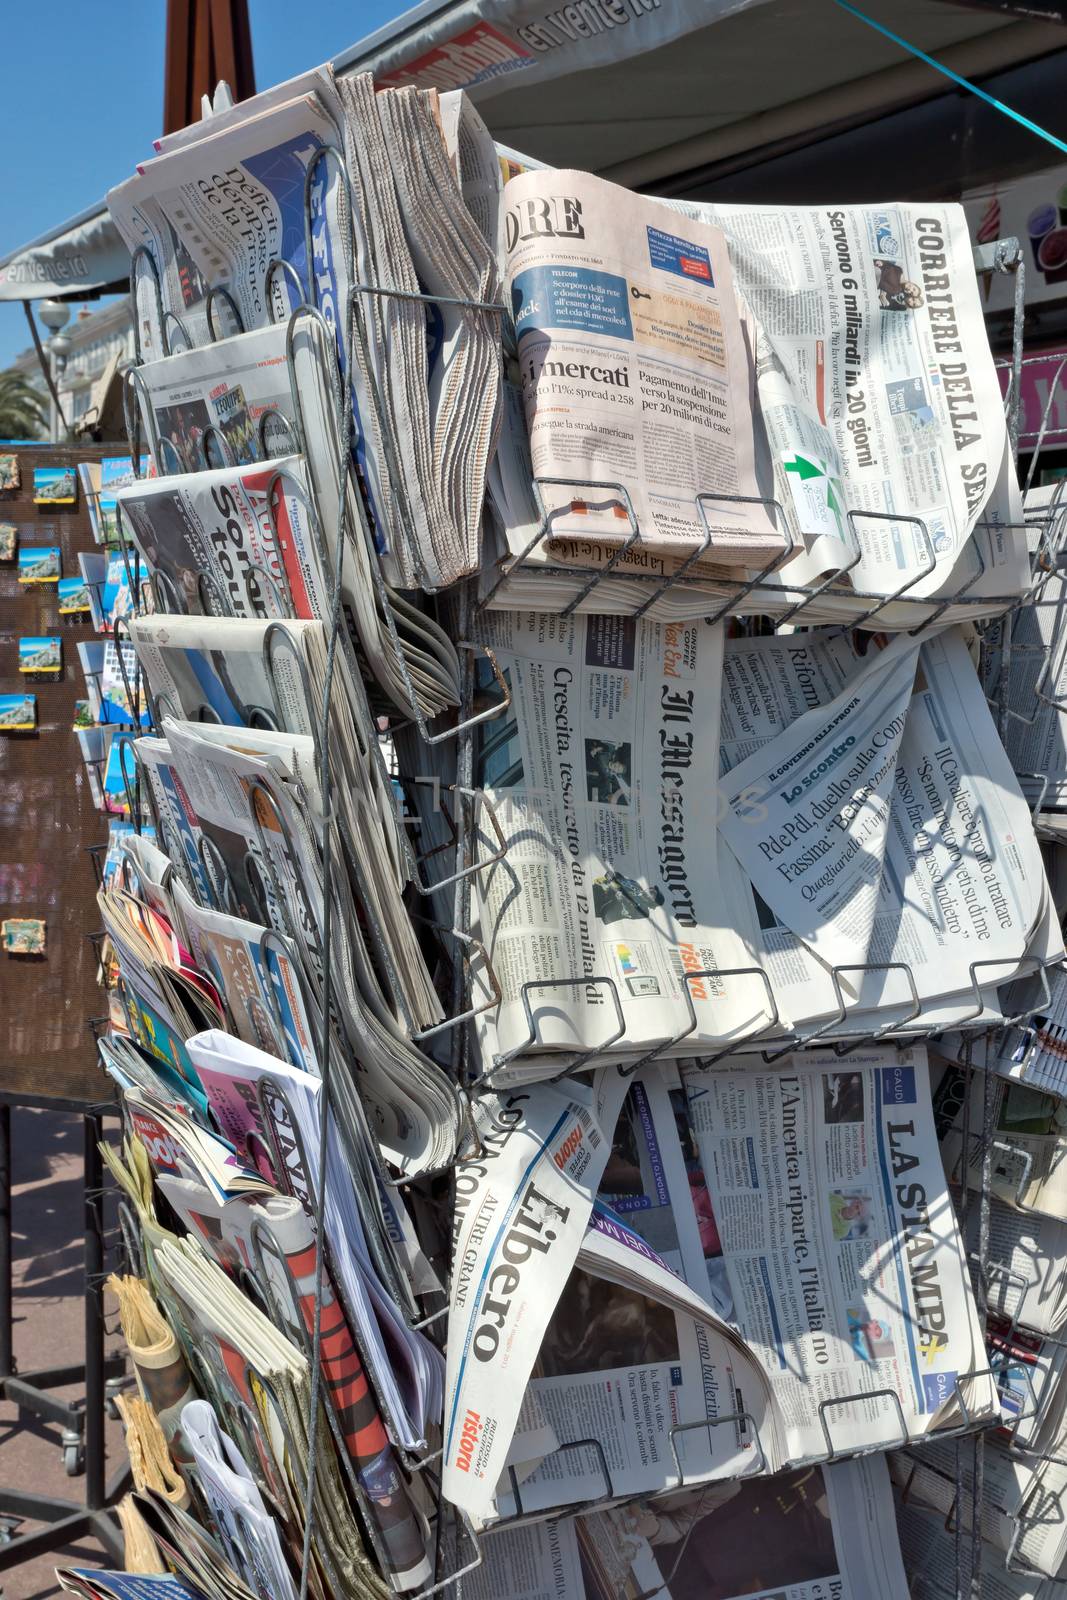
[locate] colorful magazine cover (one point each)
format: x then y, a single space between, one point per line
100 481
93 568
22 936
9 541
73 596
115 599
18 713
40 655
55 486
40 563
120 775
116 472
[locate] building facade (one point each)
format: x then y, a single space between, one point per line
98 338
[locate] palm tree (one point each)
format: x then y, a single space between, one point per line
22 409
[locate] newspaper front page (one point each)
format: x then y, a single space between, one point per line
209 407
232 541
886 831
826 1192
633 1390
634 368
879 410
876 383
608 894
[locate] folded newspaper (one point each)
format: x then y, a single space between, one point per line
829 1305
875 390
822 1531
872 864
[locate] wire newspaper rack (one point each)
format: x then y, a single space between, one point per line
771 1039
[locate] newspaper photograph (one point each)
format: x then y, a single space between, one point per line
1029 1156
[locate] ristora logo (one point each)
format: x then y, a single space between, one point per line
468 1441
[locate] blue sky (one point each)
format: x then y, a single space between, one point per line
81 98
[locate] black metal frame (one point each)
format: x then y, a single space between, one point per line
65 1521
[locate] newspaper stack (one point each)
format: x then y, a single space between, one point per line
1021 1502
241 815
829 1303
223 257
643 476
250 540
873 868
247 1221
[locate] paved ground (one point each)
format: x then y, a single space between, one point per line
49 1311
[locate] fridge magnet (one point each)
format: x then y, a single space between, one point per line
39 563
10 476
18 713
73 596
83 715
40 655
9 541
23 936
55 486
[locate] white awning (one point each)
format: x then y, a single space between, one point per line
638 90
77 258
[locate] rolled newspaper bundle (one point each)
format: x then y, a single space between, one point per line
162 1374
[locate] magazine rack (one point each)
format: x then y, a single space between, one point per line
771 1039
82 1423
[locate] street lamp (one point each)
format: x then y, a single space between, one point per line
55 315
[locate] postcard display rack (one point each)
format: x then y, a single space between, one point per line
47 1058
458 1547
